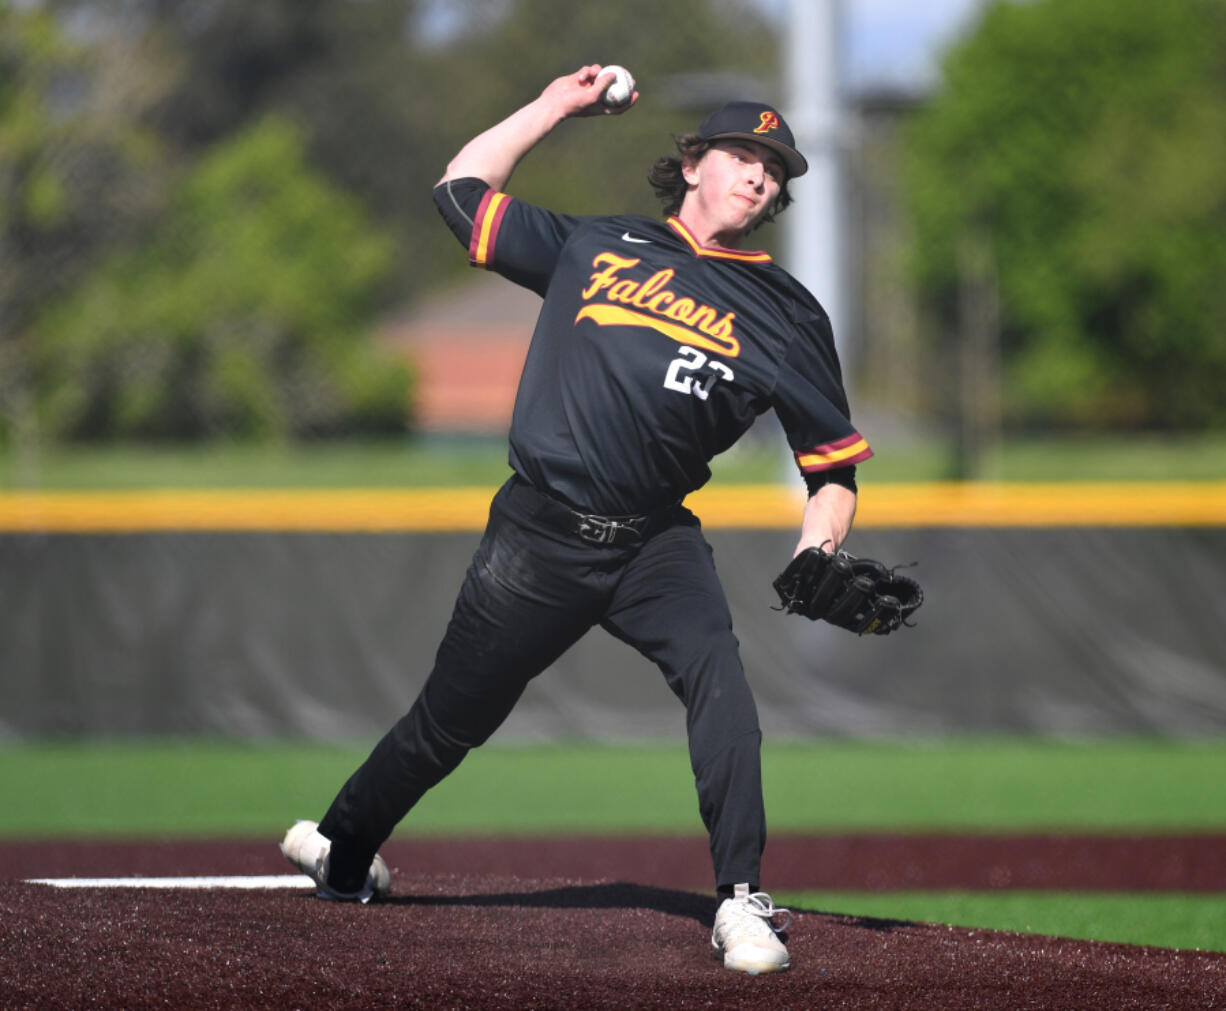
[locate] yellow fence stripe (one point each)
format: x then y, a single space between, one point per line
983 505
1088 504
356 509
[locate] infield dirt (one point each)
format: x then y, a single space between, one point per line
579 924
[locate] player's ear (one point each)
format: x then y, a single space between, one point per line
691 169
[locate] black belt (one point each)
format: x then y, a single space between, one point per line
614 531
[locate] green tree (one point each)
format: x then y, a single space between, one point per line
75 177
242 315
1085 139
385 99
168 324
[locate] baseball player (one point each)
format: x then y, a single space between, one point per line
658 344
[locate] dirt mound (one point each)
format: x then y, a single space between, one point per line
485 938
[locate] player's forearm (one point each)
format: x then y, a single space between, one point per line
828 517
492 156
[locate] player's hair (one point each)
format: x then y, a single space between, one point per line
670 185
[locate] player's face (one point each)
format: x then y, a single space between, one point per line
732 186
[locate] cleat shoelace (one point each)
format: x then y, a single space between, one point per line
760 907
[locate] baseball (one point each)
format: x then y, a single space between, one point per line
621 89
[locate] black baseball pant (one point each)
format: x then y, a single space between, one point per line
532 591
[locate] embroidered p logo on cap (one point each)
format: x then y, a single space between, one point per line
770 121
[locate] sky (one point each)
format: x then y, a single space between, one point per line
897 41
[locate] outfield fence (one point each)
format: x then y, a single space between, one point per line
1065 610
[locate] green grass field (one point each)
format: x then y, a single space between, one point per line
195 789
438 461
1166 921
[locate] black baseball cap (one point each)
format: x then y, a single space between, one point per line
760 123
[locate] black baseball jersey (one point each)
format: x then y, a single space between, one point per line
652 354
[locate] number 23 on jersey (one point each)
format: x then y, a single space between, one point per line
682 373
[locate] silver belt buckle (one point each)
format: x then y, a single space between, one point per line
596 529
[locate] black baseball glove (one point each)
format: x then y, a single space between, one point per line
858 594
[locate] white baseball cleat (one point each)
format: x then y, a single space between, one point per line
308 851
745 935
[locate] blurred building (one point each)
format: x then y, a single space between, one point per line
468 345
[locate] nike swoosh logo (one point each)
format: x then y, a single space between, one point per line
627 237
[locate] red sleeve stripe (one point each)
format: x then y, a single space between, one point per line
485 227
842 453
